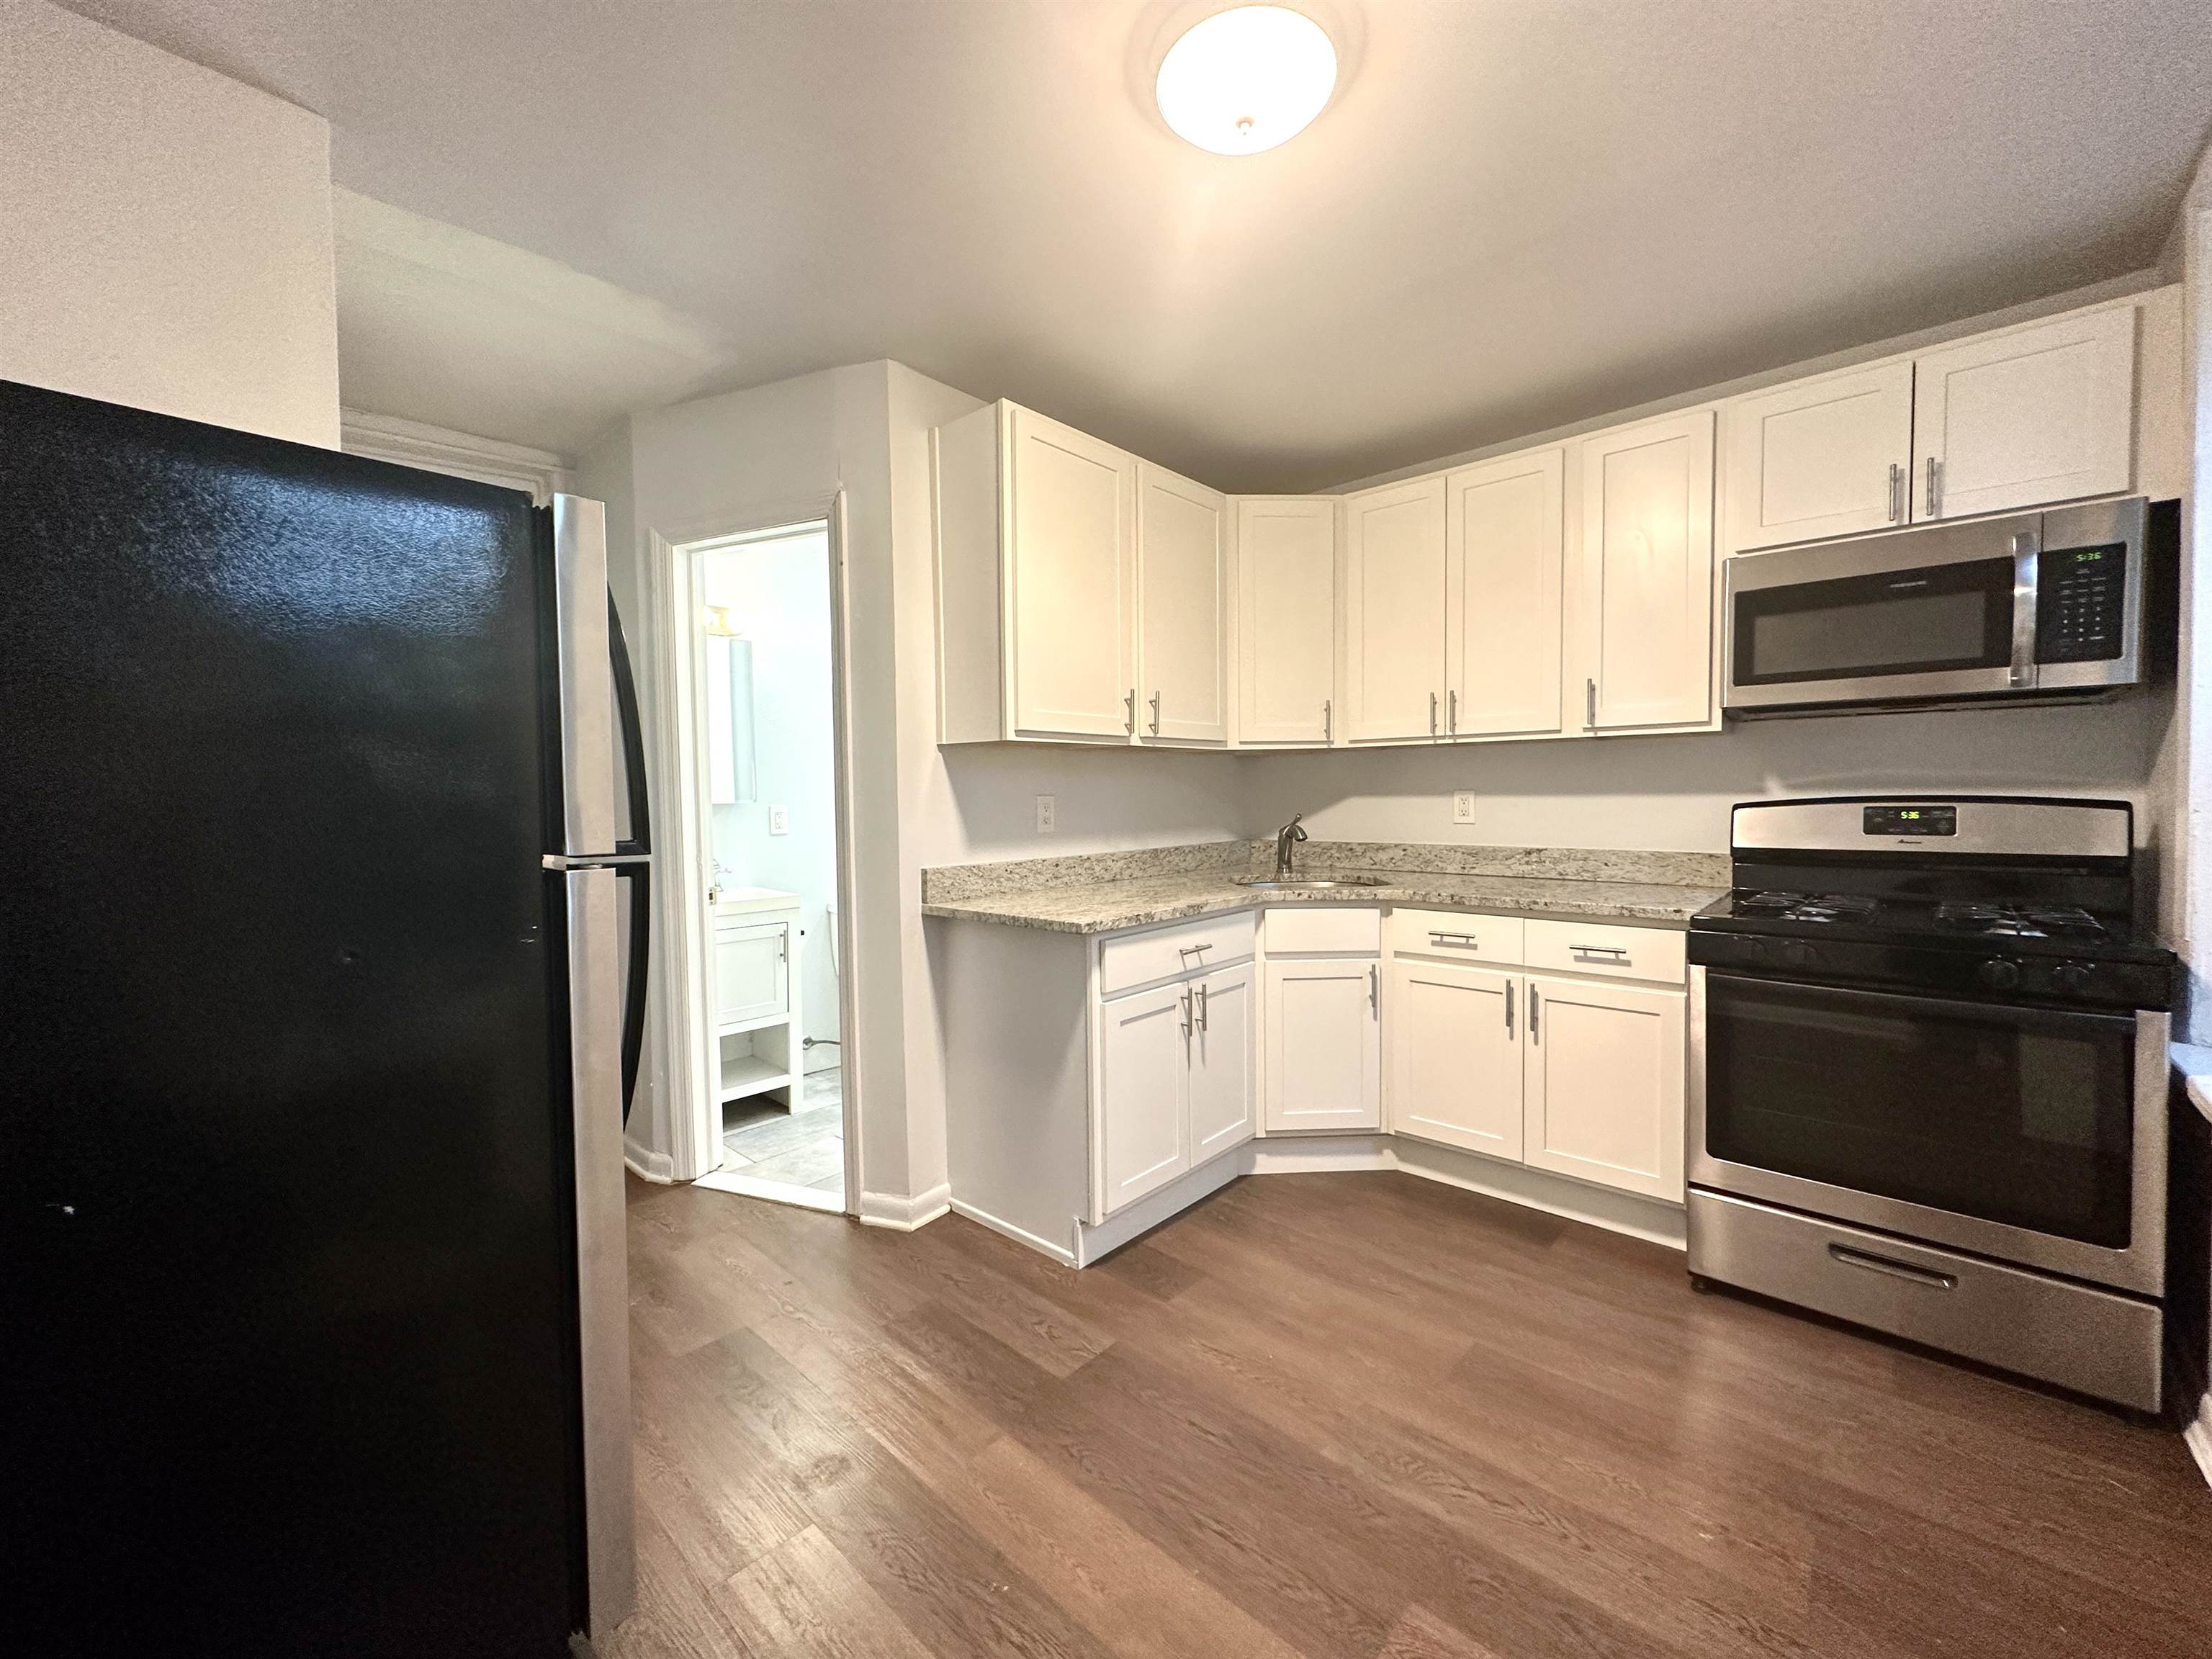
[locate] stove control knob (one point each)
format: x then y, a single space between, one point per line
2072 977
1798 954
2000 975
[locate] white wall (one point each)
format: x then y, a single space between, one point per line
779 596
165 232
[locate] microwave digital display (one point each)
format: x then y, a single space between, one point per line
1911 821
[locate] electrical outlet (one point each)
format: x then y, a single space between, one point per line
1463 806
779 820
1048 814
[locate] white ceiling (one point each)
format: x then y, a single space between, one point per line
1517 213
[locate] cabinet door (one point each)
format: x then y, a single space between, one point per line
1394 621
1605 1068
1144 1098
1324 1045
1285 620
1183 600
1071 577
2042 415
1221 1095
1827 457
1648 573
753 973
1455 1055
1504 538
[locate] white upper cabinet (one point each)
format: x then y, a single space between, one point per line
1286 619
1454 1055
1394 677
1071 581
1827 457
1182 605
1645 587
2041 414
1505 539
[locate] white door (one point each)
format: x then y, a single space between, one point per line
2042 415
1606 1066
1826 457
1648 573
1221 1095
1324 1045
753 973
1455 1043
1183 600
1144 1069
1286 619
1504 538
1072 575
1394 611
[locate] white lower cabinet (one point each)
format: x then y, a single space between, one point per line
1605 1071
1144 1115
1324 1045
1221 1094
1455 1055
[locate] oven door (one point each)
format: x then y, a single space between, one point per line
2031 1134
1948 611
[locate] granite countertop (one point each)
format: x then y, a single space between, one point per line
1136 893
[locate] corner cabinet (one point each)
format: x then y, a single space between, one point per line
1286 558
1323 1019
1182 611
1642 583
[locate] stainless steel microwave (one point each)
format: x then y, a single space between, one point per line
2045 605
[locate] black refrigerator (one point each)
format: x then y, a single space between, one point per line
321 827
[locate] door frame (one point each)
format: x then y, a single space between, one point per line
676 576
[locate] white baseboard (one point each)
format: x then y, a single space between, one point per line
1300 1154
1651 1220
1148 1212
656 1167
2197 1437
897 1211
1059 1253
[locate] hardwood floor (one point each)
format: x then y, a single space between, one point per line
1348 1415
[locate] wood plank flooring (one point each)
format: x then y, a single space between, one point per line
1348 1417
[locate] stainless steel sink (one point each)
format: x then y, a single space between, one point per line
1304 885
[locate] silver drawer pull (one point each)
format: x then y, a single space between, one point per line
1882 1264
1601 952
1468 939
1193 950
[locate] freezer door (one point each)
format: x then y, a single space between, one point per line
583 656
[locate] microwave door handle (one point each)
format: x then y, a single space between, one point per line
2025 584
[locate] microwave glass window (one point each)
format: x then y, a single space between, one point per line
1894 621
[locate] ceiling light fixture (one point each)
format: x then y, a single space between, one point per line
1245 80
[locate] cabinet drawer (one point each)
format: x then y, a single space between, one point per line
1325 931
1591 947
1128 960
1454 934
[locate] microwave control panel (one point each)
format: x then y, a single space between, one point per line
2080 602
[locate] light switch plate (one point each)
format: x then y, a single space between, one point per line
779 820
1048 814
1463 806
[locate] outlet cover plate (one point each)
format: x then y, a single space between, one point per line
1463 806
779 820
1048 814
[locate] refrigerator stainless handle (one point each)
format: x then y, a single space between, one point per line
585 658
602 1249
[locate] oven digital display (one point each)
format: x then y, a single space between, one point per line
1911 821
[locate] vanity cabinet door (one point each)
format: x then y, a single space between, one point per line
1144 1103
753 973
1455 1047
1324 1045
1221 1096
1605 1072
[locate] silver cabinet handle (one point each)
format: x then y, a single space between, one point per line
1432 713
1935 484
1590 705
1186 1014
1452 725
1193 950
1895 1269
1129 703
1156 713
1508 1007
1201 1005
1468 939
1536 1012
1600 952
1373 988
1327 721
1896 493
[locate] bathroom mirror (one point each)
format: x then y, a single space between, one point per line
733 762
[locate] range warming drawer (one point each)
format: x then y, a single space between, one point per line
2093 1341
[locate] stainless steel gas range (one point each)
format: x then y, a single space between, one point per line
1928 1076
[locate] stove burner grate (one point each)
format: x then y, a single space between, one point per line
1807 906
2020 921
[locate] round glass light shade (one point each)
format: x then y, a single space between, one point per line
1245 80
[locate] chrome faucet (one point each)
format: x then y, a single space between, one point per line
1286 841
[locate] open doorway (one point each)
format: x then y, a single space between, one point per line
771 1001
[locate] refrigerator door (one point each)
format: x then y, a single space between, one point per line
287 1202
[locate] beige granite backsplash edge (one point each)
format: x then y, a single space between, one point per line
959 883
